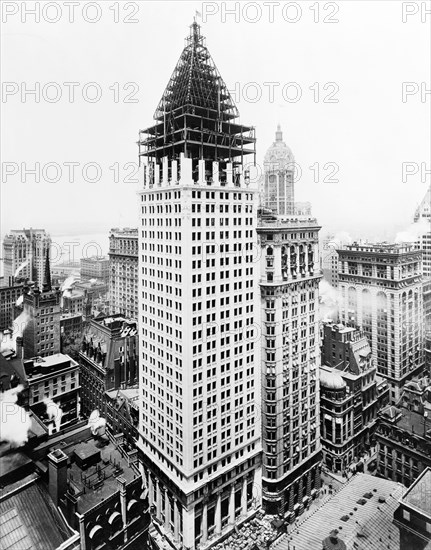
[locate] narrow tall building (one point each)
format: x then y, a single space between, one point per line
25 253
198 308
381 292
40 322
289 291
123 272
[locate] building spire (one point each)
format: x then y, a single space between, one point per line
47 276
278 134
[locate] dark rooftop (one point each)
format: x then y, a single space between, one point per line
97 481
11 370
413 422
12 462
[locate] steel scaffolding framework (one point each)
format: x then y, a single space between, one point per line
196 114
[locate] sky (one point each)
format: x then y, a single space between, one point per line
338 70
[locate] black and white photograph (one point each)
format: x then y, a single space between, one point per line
215 275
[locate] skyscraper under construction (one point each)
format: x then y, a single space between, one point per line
198 307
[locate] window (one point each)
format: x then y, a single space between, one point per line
406 515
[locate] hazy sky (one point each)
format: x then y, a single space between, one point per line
362 61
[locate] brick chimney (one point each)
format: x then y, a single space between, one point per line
57 470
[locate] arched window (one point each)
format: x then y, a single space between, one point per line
115 522
132 509
96 537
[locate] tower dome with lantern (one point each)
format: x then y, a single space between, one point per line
278 185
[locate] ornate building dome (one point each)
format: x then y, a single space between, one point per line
331 380
279 155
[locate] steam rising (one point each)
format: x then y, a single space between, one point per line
54 413
9 342
342 238
329 301
14 420
97 423
413 232
67 285
20 267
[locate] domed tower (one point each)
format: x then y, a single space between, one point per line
278 189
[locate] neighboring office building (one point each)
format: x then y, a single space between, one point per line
100 494
92 484
289 292
349 397
53 379
96 267
404 434
42 311
381 292
199 370
108 360
25 256
413 516
123 272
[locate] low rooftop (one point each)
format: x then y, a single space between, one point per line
362 512
379 248
98 481
131 395
287 222
38 367
125 232
410 421
66 316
